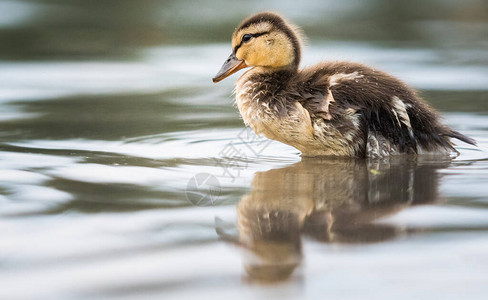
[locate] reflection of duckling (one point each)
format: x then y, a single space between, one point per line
333 108
331 200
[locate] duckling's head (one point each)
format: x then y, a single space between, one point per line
263 40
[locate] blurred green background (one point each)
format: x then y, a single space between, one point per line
89 29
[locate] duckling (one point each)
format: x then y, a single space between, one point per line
332 108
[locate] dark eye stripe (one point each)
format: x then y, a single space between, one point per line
252 35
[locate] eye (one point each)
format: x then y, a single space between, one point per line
246 37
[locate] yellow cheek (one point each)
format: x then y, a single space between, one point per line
258 57
282 56
266 54
240 54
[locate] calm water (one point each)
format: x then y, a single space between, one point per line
126 174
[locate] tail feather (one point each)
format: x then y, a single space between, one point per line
461 137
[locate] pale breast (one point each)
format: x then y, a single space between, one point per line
277 119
